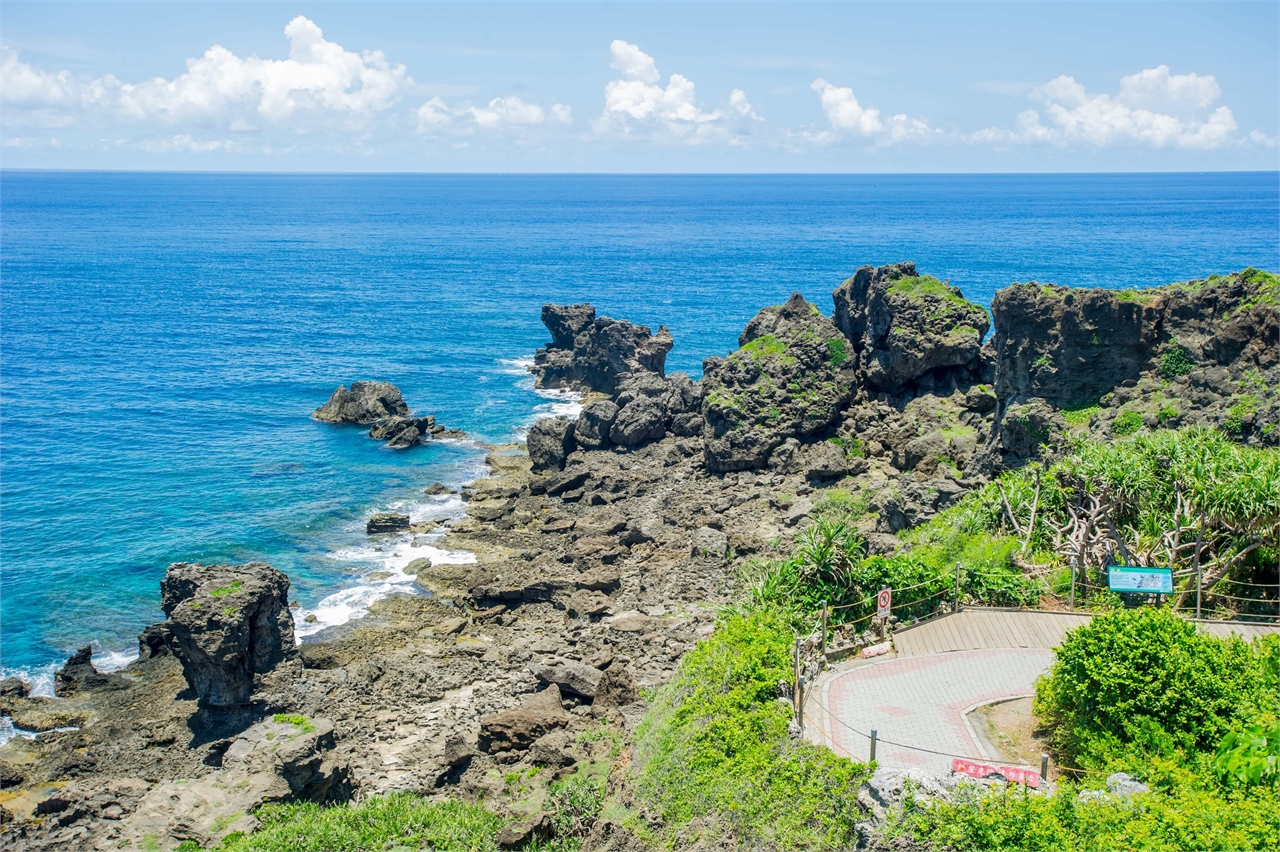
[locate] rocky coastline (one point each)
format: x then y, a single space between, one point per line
605 547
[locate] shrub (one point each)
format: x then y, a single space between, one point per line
837 350
1126 423
1135 683
1176 361
715 744
1251 756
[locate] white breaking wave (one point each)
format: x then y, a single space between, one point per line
560 401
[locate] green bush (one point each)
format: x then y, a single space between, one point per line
1143 682
715 744
1176 361
1126 423
837 350
1251 756
1191 817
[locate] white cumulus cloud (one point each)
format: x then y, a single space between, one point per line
1153 108
639 105
320 84
848 118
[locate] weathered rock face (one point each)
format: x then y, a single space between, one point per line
78 673
789 379
386 522
227 623
910 332
1073 346
365 403
519 728
549 443
591 432
400 433
593 353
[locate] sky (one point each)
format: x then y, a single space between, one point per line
641 87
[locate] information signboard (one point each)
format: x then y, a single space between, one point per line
1136 578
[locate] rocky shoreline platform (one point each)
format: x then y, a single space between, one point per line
606 546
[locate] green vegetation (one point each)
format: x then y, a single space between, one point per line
926 286
852 446
1269 288
1176 361
295 719
1234 424
768 347
1126 423
1079 413
1168 414
1189 816
838 351
1144 683
379 822
1139 690
715 742
1044 362
232 589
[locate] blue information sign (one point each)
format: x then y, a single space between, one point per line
1135 578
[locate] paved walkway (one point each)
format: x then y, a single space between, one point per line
918 701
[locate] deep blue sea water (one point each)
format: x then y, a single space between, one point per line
164 337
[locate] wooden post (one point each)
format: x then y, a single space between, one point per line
955 598
1044 767
824 628
874 734
1075 569
1198 586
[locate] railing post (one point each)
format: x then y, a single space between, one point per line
955 600
799 697
1044 767
1199 586
824 628
1075 569
874 734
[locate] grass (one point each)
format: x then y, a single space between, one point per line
232 589
1078 414
715 748
767 346
1234 424
837 350
379 822
1126 423
927 287
295 719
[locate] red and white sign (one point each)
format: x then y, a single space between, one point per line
883 601
1013 774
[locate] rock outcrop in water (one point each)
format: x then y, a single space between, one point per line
79 674
593 353
910 332
789 379
364 403
380 406
227 623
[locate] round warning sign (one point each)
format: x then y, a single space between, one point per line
883 602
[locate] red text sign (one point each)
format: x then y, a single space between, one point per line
882 602
1015 774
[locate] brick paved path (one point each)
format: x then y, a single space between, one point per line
919 701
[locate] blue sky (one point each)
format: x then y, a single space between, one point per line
618 87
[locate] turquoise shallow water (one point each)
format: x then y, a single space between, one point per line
164 337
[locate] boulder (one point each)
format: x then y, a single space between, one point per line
602 578
788 380
591 431
525 832
519 728
569 675
78 674
589 602
227 623
550 441
616 688
403 432
593 353
365 403
153 641
14 687
910 332
709 542
638 422
387 522
1031 430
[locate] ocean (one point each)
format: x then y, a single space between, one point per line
164 338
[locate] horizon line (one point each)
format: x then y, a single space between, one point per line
338 172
